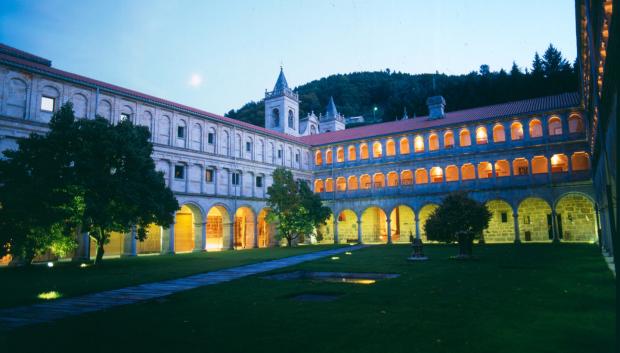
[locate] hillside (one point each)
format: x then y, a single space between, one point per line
392 92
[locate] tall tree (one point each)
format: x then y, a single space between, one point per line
538 68
553 62
293 207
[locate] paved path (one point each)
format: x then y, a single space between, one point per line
46 312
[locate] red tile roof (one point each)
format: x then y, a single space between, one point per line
528 106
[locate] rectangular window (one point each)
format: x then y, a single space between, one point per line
47 104
181 132
209 175
279 153
235 178
248 146
523 171
210 138
179 172
124 116
297 157
259 181
504 217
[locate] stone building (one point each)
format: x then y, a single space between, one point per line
529 161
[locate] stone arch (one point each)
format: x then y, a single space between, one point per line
275 117
575 124
163 130
421 176
244 228
535 220
188 228
374 225
325 231
196 137
501 226
559 163
341 183
433 142
540 165
468 172
580 161
436 175
485 170
328 156
347 226
554 126
340 154
17 98
499 133
448 139
390 147
378 180
516 131
502 168
402 221
319 186
363 150
218 228
423 215
352 183
104 109
225 145
318 158
404 146
418 144
535 128
576 218
80 105
392 178
464 138
152 243
351 153
481 136
146 120
452 173
377 150
266 231
406 177
365 181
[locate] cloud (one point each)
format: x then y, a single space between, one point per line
195 80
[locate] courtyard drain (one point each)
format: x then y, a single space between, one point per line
335 277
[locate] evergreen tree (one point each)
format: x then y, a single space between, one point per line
553 62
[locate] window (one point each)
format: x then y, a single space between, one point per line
209 175
520 166
235 178
363 151
179 171
340 154
418 144
297 157
275 115
48 104
210 138
280 153
124 116
481 136
504 216
464 138
575 124
352 154
248 146
318 160
404 145
555 126
259 181
328 156
181 132
516 131
499 135
377 150
535 128
448 139
291 119
433 142
390 148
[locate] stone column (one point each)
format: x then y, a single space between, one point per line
171 239
231 234
389 230
133 248
256 234
516 224
336 240
554 226
359 232
203 237
417 229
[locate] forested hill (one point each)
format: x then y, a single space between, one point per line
392 92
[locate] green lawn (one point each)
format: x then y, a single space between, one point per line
22 285
532 298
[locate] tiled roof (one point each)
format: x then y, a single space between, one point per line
528 106
20 61
5 49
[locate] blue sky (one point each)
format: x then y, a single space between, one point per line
217 55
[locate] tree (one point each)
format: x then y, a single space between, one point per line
293 207
458 219
538 69
553 62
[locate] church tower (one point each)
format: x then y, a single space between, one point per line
332 120
282 108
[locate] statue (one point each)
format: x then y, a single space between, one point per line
418 253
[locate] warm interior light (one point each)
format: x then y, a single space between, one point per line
555 160
419 144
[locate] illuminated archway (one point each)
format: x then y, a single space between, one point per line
218 228
340 154
464 138
319 186
377 150
452 173
152 243
402 221
448 139
499 134
341 184
481 136
485 170
379 180
392 179
374 226
501 226
318 159
352 183
539 165
575 124
347 226
266 231
555 126
390 148
559 163
423 215
406 177
365 182
404 146
433 142
468 172
363 151
329 185
418 144
535 128
244 228
187 228
325 232
352 154
535 220
580 161
516 131
436 175
576 218
421 176
520 166
328 156
502 168
114 247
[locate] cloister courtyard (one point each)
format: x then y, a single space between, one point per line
511 298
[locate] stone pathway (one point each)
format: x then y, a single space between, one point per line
11 318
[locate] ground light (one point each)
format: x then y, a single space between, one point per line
50 264
49 295
347 253
335 258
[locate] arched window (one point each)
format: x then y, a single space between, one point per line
352 181
406 177
559 163
502 168
520 166
499 135
452 173
329 185
404 146
275 117
328 156
448 139
340 154
433 142
390 148
365 181
555 126
464 138
436 175
352 154
481 136
392 178
421 177
379 180
291 119
468 172
318 159
535 128
580 161
575 124
418 144
377 150
363 151
341 184
485 170
318 185
539 165
516 131
312 130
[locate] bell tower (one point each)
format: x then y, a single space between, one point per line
282 108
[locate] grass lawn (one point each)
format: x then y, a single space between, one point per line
22 285
532 298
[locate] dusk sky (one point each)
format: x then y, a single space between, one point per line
218 55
